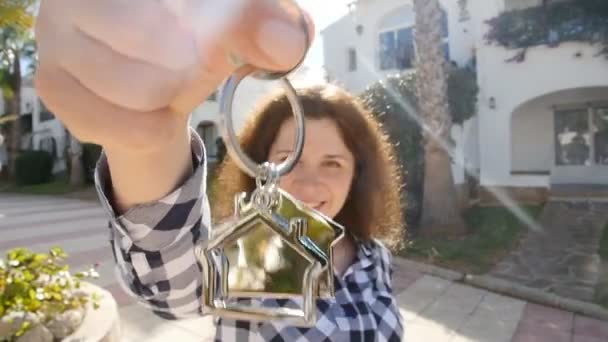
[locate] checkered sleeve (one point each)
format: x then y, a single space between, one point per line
364 309
153 243
373 314
385 309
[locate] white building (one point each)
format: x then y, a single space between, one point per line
519 137
45 132
206 118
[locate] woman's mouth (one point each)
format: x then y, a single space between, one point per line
315 205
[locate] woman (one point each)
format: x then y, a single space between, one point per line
106 72
347 171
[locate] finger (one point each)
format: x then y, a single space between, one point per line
272 35
117 78
141 29
91 118
49 23
250 29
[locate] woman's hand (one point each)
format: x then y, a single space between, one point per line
127 74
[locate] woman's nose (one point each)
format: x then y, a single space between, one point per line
305 184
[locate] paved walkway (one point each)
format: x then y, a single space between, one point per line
433 309
562 258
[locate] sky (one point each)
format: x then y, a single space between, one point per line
324 12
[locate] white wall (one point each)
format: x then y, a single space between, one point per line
466 150
376 16
461 33
373 16
532 137
544 71
337 38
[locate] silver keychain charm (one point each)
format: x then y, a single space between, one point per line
274 247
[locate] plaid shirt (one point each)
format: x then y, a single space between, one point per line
153 245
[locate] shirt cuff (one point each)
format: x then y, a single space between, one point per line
180 209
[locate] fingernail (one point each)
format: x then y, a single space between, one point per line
283 43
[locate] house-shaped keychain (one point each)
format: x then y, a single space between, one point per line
285 253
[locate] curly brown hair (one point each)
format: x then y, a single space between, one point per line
373 209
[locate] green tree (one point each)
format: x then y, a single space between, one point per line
16 43
394 102
389 100
15 13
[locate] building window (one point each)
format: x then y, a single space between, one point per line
387 50
352 59
397 49
600 135
209 134
573 145
49 145
405 49
581 136
45 113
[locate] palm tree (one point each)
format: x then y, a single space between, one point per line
16 13
16 21
440 209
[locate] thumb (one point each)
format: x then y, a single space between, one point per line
271 35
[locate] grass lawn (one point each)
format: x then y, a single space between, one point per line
56 187
493 232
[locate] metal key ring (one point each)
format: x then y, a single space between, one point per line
252 168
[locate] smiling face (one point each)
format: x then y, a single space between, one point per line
348 170
323 176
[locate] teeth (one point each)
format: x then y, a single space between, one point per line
314 205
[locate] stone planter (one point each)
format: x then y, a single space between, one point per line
101 324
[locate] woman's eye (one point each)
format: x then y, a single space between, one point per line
280 158
332 164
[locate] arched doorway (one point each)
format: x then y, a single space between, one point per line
563 135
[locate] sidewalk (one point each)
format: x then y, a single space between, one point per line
433 309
